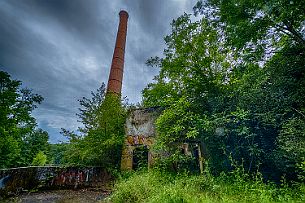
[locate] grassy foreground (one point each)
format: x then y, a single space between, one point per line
156 186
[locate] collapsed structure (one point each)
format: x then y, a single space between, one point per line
140 135
140 130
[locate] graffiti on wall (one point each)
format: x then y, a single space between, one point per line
52 177
139 140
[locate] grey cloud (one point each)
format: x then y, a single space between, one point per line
84 19
62 49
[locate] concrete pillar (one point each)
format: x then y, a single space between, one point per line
127 158
201 158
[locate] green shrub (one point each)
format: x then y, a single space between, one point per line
40 159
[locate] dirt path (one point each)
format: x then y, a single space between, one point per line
61 196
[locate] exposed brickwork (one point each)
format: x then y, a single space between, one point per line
117 66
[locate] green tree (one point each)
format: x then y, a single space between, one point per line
16 122
192 83
271 32
33 143
233 80
257 24
56 154
102 136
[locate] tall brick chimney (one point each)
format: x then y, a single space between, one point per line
117 66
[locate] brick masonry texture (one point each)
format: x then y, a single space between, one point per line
117 65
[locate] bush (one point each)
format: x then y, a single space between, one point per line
40 159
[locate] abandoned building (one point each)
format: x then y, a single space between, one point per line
140 134
140 131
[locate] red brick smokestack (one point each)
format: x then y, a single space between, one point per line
117 66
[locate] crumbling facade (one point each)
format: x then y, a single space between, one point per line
140 135
140 123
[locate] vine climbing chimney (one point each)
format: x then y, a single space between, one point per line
117 65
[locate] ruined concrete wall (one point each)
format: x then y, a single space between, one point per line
16 180
140 131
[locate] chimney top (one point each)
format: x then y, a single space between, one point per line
117 65
122 13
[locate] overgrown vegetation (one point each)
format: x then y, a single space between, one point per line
22 143
100 143
20 138
159 186
232 79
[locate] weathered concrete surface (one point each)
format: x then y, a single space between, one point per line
141 122
140 131
16 180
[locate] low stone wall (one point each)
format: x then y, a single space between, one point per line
16 180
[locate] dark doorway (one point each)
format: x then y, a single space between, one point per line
140 157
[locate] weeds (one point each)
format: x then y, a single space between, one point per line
158 186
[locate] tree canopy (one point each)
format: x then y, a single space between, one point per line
20 139
233 79
101 139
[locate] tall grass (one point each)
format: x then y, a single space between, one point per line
158 186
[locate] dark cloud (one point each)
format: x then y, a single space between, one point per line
62 49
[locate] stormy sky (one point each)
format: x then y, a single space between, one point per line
62 49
